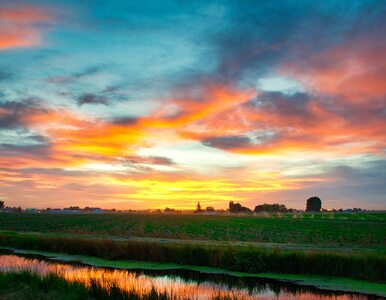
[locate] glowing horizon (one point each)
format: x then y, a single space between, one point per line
152 105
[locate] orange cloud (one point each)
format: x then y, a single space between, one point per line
355 70
75 142
343 114
20 26
211 99
25 14
327 126
218 111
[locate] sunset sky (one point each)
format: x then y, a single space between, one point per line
154 104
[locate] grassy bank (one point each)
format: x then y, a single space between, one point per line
341 230
26 285
322 282
364 266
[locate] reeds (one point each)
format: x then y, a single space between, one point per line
50 286
365 266
101 283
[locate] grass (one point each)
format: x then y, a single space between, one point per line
331 283
365 230
27 285
33 279
366 266
322 282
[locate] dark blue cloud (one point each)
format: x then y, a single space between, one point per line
228 142
14 113
258 36
279 103
152 160
124 121
91 98
42 151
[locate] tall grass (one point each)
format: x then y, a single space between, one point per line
360 266
28 285
119 283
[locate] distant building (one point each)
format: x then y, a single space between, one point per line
94 210
11 210
71 210
55 211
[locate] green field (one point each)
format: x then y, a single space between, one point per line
343 245
363 230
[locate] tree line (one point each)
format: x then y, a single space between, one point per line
313 204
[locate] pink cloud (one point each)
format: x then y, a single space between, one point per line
20 26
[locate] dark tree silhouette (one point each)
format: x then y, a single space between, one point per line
169 210
271 208
198 209
1 204
237 208
314 204
210 209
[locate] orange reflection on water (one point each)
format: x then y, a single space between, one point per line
175 287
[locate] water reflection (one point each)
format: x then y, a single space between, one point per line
185 285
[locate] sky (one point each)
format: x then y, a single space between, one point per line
154 104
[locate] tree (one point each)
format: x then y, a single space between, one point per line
1 204
198 209
271 208
210 209
237 208
169 210
314 204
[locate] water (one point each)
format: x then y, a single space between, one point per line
192 285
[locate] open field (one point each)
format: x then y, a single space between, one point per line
366 230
